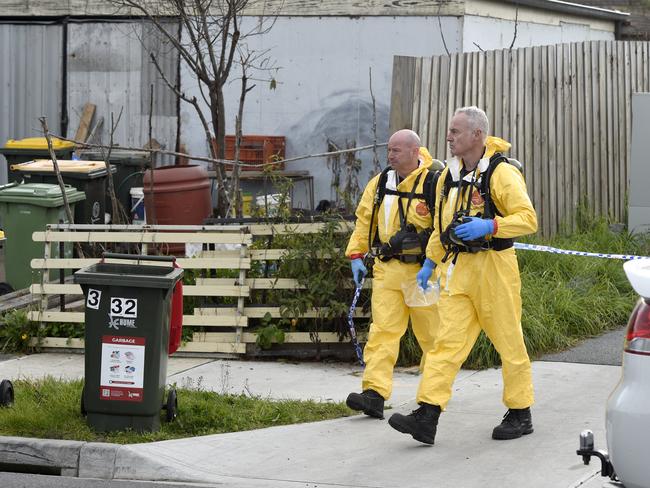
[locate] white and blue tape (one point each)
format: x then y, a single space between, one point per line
555 250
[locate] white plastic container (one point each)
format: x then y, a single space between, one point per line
138 215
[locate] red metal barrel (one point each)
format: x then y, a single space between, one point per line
181 196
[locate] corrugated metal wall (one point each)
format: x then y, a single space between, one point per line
108 65
30 81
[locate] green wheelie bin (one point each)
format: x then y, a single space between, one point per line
127 319
26 209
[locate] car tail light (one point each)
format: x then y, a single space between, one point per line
637 340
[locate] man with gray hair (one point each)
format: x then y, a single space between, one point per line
481 206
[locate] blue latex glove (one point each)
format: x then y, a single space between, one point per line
425 273
474 228
359 271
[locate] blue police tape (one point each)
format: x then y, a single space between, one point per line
555 250
353 332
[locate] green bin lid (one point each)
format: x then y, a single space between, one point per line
40 194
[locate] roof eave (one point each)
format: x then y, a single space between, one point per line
573 8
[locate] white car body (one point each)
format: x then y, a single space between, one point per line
628 407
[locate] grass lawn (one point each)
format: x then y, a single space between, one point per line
50 408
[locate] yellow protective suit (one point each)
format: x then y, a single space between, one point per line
390 314
482 290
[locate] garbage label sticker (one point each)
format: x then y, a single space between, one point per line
94 298
124 307
122 369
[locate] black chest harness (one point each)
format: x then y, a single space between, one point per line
407 245
450 242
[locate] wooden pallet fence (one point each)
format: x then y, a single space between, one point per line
221 329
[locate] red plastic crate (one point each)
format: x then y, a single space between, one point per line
256 150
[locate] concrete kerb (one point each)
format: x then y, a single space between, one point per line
85 460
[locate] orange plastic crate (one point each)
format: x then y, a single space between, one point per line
256 150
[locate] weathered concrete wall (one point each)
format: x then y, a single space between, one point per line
323 84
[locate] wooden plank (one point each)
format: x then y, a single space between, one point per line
489 105
545 163
600 128
185 263
589 126
401 102
538 164
560 99
289 337
188 320
417 96
260 312
311 228
214 347
503 94
433 112
443 96
188 290
608 60
52 316
526 88
628 112
619 123
480 81
206 347
85 120
553 173
567 143
255 283
580 132
256 8
215 320
143 237
425 102
451 84
58 342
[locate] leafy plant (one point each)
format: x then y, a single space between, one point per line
16 331
268 333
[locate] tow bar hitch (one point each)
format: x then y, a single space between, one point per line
587 450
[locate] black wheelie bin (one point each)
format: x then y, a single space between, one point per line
127 321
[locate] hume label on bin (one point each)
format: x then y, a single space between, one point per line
122 368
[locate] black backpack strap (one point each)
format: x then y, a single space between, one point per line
490 208
429 191
379 196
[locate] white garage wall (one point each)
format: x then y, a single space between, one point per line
323 84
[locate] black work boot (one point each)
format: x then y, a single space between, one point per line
421 423
369 402
516 422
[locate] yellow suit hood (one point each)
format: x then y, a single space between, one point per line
495 144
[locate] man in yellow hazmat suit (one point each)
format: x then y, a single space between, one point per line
482 206
393 215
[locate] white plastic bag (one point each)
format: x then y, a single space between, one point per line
415 296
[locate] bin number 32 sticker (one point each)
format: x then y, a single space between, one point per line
124 307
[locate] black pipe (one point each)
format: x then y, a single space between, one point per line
64 80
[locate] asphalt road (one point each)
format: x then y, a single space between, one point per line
606 349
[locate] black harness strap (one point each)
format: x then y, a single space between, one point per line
490 208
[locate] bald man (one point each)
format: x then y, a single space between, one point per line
394 221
